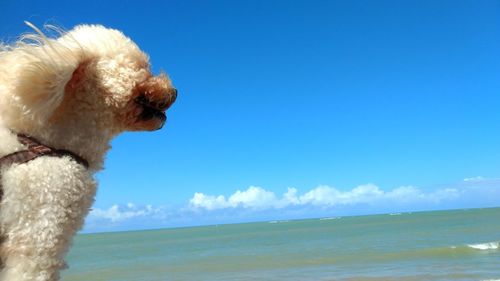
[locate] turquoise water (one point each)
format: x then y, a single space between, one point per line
443 245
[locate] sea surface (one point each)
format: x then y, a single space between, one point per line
441 245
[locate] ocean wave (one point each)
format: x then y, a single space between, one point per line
278 221
485 246
329 218
461 250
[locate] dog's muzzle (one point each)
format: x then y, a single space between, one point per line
154 107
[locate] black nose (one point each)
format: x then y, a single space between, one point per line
173 97
169 100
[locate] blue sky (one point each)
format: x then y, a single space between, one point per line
294 109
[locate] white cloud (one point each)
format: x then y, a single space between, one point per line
408 194
290 197
322 196
118 213
253 197
329 196
474 179
208 202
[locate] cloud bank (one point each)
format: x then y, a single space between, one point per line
322 196
257 204
117 213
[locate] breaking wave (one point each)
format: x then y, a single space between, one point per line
485 246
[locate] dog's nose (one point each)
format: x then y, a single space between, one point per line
169 100
173 97
174 94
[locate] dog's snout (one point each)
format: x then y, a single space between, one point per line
173 96
170 99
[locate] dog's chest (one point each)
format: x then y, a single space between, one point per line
9 142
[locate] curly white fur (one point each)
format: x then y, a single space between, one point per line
75 92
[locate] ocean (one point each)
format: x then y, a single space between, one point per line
438 245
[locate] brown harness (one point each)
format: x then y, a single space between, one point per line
35 150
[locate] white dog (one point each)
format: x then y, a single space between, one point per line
61 102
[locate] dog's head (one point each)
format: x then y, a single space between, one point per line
89 76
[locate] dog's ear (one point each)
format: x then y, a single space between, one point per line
45 68
40 88
76 77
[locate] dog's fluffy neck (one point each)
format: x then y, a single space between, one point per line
82 136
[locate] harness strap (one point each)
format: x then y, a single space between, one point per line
40 150
35 150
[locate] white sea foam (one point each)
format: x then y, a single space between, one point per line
278 221
330 218
485 246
